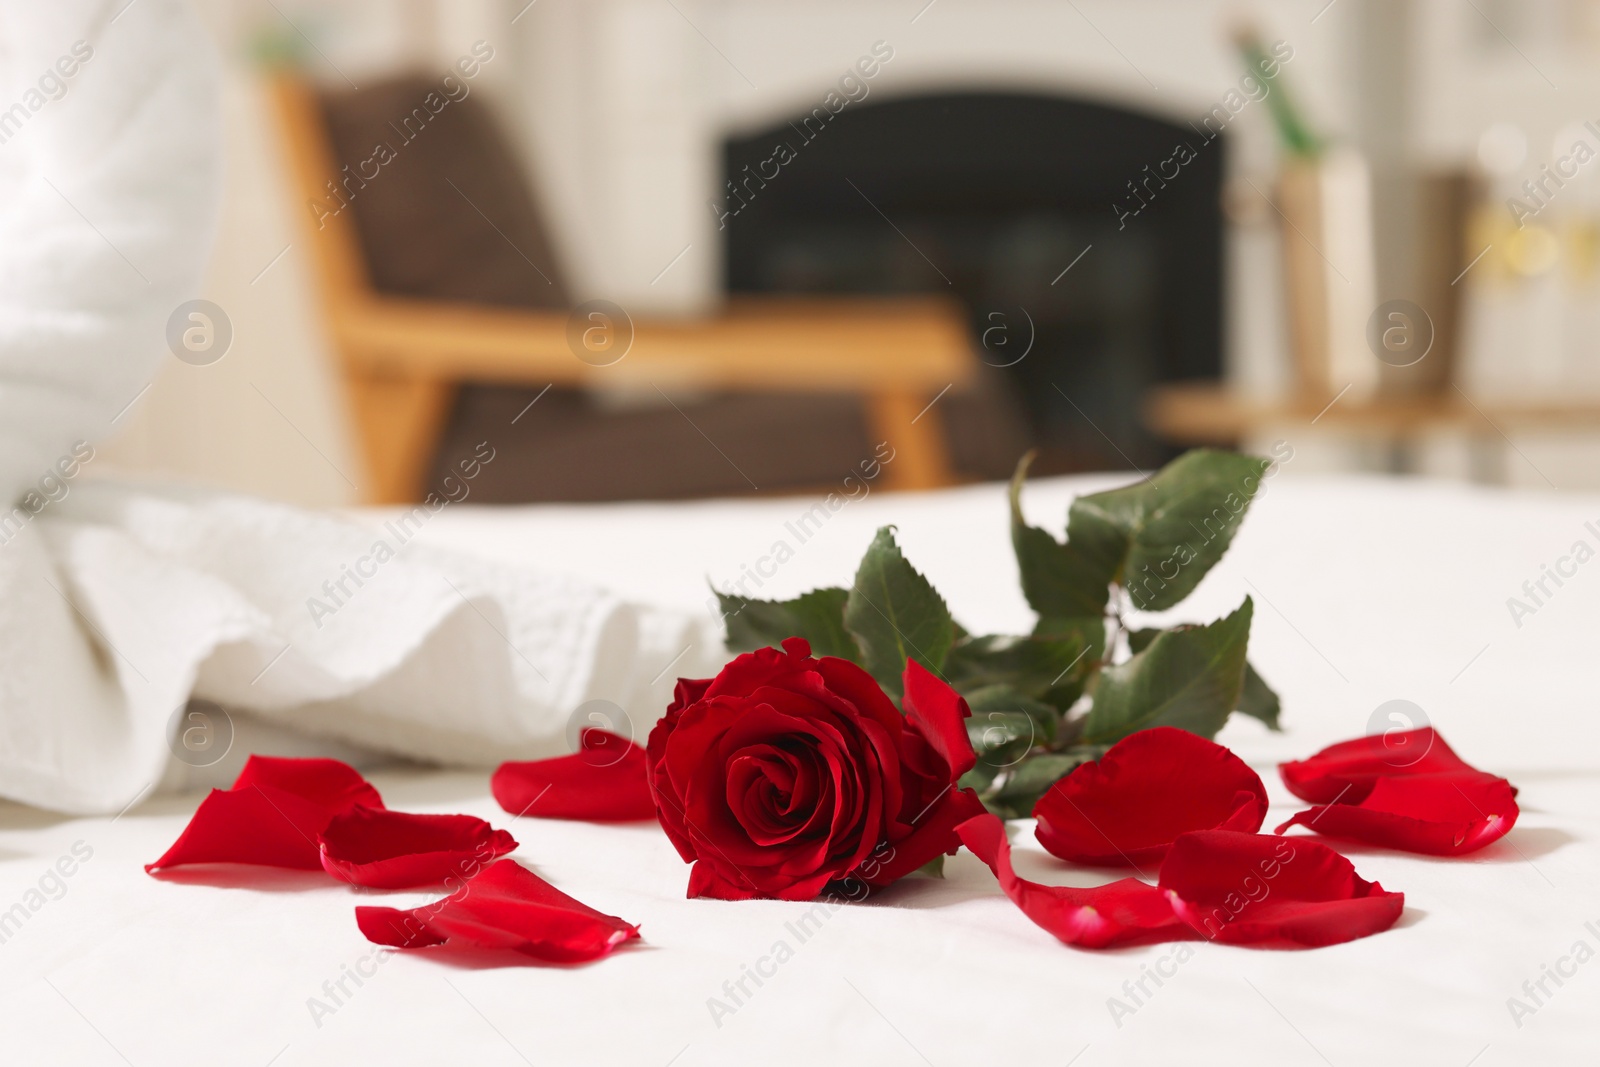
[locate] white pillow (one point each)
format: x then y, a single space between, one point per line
109 188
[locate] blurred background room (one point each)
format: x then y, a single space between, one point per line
655 249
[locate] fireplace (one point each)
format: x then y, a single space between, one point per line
1091 265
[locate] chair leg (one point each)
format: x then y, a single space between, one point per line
399 419
916 433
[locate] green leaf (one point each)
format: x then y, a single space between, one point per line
1005 726
1004 698
895 615
1190 677
934 868
817 616
1139 640
1166 532
1051 667
1001 738
1257 699
1059 580
1026 782
980 777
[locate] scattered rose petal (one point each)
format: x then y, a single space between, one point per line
1446 814
384 849
507 906
1346 772
272 815
1127 808
1124 912
934 836
605 781
1250 889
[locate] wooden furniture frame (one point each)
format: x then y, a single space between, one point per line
401 358
1208 413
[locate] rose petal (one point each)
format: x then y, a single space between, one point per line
1127 808
1445 814
272 815
507 906
935 835
687 691
1124 912
940 714
764 666
709 882
1255 889
605 781
385 849
1347 771
328 783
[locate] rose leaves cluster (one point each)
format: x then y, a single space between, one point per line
1049 700
321 814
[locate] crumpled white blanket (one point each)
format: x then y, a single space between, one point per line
118 602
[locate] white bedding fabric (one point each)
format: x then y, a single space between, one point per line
122 601
1369 590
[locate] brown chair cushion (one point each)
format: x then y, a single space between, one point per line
450 216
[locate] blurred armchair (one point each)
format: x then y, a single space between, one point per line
435 275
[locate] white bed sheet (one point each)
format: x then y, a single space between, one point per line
1368 590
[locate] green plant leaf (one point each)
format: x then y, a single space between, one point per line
894 614
1050 667
1006 725
980 777
1139 640
1059 580
934 868
1166 532
1190 677
1026 782
1257 700
1005 698
817 616
1002 738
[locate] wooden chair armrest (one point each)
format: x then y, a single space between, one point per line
835 344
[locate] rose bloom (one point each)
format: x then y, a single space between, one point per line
786 773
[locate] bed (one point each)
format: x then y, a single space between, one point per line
1367 590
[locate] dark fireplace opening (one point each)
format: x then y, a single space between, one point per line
1085 243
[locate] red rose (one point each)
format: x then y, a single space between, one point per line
786 773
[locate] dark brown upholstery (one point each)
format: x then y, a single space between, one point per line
450 217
